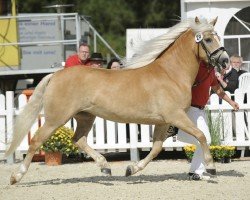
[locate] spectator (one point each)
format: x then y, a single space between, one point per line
200 95
96 60
81 58
230 81
114 64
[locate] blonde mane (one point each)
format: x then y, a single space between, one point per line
148 51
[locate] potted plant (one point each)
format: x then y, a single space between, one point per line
189 151
59 143
222 153
219 153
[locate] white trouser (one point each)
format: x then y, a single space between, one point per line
199 118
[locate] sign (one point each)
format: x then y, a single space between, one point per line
9 55
40 30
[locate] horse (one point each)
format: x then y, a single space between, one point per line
155 88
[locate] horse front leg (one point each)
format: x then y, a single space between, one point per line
84 124
160 134
184 123
43 133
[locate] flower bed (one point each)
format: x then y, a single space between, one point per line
218 152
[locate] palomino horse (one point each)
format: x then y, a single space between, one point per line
157 91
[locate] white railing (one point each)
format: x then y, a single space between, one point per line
109 136
235 127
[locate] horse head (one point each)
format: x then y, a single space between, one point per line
212 51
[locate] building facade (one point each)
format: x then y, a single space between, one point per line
233 24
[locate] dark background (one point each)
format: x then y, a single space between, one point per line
111 18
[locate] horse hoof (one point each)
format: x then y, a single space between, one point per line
129 171
12 180
211 171
106 171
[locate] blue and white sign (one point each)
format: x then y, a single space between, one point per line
39 30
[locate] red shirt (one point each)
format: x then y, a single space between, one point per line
73 61
204 80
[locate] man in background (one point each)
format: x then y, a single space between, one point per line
96 60
230 81
81 58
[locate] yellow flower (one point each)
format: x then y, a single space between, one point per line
61 141
217 152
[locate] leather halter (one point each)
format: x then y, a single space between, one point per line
212 61
212 58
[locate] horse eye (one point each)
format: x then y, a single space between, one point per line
208 40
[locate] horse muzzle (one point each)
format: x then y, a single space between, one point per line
219 58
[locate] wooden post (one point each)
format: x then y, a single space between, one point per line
28 93
10 121
134 153
3 131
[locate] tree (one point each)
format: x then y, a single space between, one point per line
111 18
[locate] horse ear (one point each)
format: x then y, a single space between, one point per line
197 21
213 22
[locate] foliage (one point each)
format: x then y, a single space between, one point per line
215 126
61 141
217 152
112 18
189 151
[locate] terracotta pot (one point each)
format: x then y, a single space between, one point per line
53 158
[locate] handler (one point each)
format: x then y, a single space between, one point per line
200 94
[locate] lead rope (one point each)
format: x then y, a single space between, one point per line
197 83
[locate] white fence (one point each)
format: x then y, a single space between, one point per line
113 137
235 126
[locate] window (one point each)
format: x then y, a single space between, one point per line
237 36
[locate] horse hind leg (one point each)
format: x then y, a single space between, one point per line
84 124
43 133
160 134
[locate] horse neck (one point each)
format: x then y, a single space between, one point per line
179 60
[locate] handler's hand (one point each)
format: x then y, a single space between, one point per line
218 75
235 105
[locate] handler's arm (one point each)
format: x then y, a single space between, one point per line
221 93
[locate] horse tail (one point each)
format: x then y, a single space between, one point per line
28 115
